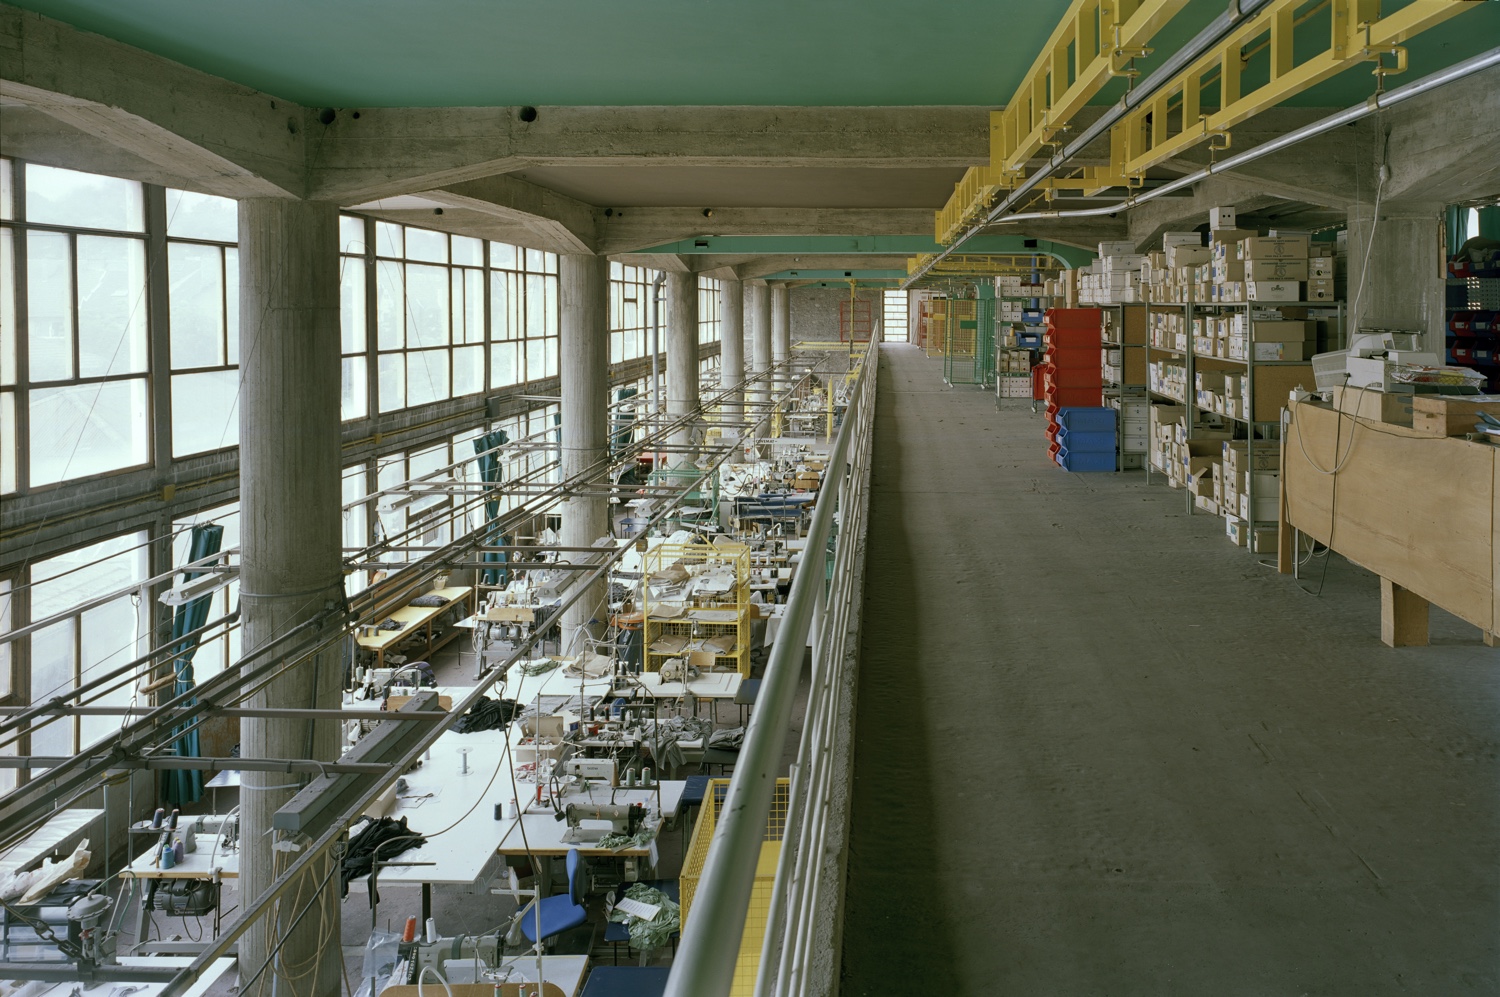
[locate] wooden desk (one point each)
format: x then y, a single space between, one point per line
418 620
1420 511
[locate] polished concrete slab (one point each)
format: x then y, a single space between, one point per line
1100 750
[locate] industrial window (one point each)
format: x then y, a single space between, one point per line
85 645
73 334
708 310
893 317
524 314
354 340
630 290
204 320
429 315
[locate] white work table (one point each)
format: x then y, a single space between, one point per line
565 972
204 863
539 833
61 833
211 975
710 685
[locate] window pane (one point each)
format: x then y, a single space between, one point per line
108 638
468 370
351 234
205 412
388 240
536 306
86 200
202 216
503 371
51 671
7 441
550 346
536 359
352 303
502 255
196 300
83 573
426 305
49 290
353 404
467 251
112 306
86 429
426 376
422 244
468 306
7 305
7 190
5 625
392 387
232 305
390 305
501 307
534 261
550 311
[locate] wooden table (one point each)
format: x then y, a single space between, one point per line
1421 511
419 620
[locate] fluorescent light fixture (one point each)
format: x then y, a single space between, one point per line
186 592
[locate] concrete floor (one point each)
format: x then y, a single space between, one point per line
1100 750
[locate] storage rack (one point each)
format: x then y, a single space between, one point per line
1123 327
1191 358
1472 317
700 616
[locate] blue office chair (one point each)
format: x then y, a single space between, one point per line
560 913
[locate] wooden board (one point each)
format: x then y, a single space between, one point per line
1272 386
1450 415
1416 510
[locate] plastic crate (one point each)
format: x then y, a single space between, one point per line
1075 318
1069 460
1076 397
1087 420
1076 442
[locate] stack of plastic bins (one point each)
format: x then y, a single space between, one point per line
1072 365
1085 439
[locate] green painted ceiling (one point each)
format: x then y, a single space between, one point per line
417 53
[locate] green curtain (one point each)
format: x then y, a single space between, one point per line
182 786
489 470
1456 223
624 422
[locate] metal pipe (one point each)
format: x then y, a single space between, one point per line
1201 43
656 285
174 762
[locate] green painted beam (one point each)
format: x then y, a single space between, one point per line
875 245
843 276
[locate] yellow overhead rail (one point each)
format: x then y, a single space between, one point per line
1094 42
992 264
1097 39
1208 98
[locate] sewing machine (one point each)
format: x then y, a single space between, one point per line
623 818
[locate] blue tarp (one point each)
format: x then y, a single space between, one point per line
183 786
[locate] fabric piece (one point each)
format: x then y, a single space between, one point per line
382 839
488 714
182 786
657 932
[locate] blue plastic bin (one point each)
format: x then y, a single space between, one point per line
1087 420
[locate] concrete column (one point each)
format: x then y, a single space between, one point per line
781 322
759 308
682 353
1403 286
290 537
584 367
731 350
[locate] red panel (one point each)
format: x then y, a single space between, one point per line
1075 318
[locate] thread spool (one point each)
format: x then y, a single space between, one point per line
172 821
179 851
463 760
157 818
431 930
410 934
168 857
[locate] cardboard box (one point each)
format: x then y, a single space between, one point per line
1221 218
1230 238
1279 351
1275 269
1122 247
1282 332
1377 406
1170 239
1319 295
1273 290
1262 247
1187 256
1320 267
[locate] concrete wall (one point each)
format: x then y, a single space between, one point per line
815 310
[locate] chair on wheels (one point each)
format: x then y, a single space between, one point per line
550 916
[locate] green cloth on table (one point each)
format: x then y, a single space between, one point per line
658 931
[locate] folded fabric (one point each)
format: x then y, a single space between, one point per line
379 839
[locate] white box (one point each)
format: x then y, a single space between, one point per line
1170 239
1219 218
1118 248
1273 290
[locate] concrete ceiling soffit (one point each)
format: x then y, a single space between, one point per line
629 230
37 137
1148 221
386 151
1082 233
571 221
763 266
517 228
228 139
1445 146
654 261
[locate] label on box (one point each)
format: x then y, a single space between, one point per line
1273 290
1261 247
1280 351
1320 267
1281 269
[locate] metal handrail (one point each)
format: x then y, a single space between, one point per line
705 962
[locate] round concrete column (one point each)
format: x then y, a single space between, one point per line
682 355
583 283
781 322
731 352
291 535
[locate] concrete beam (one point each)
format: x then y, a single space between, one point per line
1444 147
233 140
386 151
552 215
630 230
